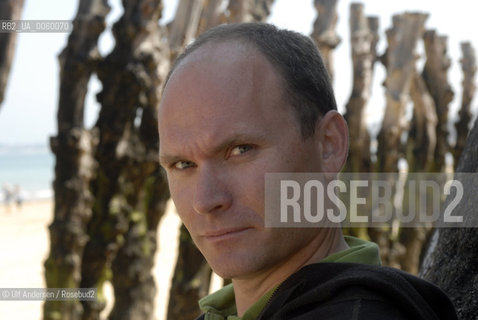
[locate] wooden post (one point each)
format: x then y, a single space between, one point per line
211 15
9 10
422 134
468 66
399 60
427 138
248 10
435 77
400 63
420 157
261 10
184 26
324 34
239 11
363 41
73 147
125 218
143 182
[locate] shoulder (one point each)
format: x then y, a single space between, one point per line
353 291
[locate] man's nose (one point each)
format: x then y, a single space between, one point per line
212 194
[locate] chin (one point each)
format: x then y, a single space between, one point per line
235 268
229 272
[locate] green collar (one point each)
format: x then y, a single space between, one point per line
359 251
221 304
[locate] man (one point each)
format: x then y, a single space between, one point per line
241 101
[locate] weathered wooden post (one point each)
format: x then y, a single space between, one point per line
130 193
435 77
364 38
399 60
324 34
400 63
73 147
9 10
468 66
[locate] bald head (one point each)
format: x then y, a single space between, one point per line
218 75
306 84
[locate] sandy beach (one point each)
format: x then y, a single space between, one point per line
24 246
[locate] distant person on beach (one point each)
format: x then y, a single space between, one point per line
18 197
7 196
244 100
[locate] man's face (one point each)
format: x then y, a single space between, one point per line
223 124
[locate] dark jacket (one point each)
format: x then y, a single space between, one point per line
333 291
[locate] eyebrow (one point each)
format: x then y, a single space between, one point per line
165 160
238 139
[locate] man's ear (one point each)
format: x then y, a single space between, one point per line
333 136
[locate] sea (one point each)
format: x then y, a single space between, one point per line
28 171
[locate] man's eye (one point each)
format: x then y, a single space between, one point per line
240 149
181 165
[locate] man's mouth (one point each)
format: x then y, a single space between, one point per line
224 234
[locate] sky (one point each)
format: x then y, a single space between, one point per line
28 113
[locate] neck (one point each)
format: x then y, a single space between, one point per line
249 290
